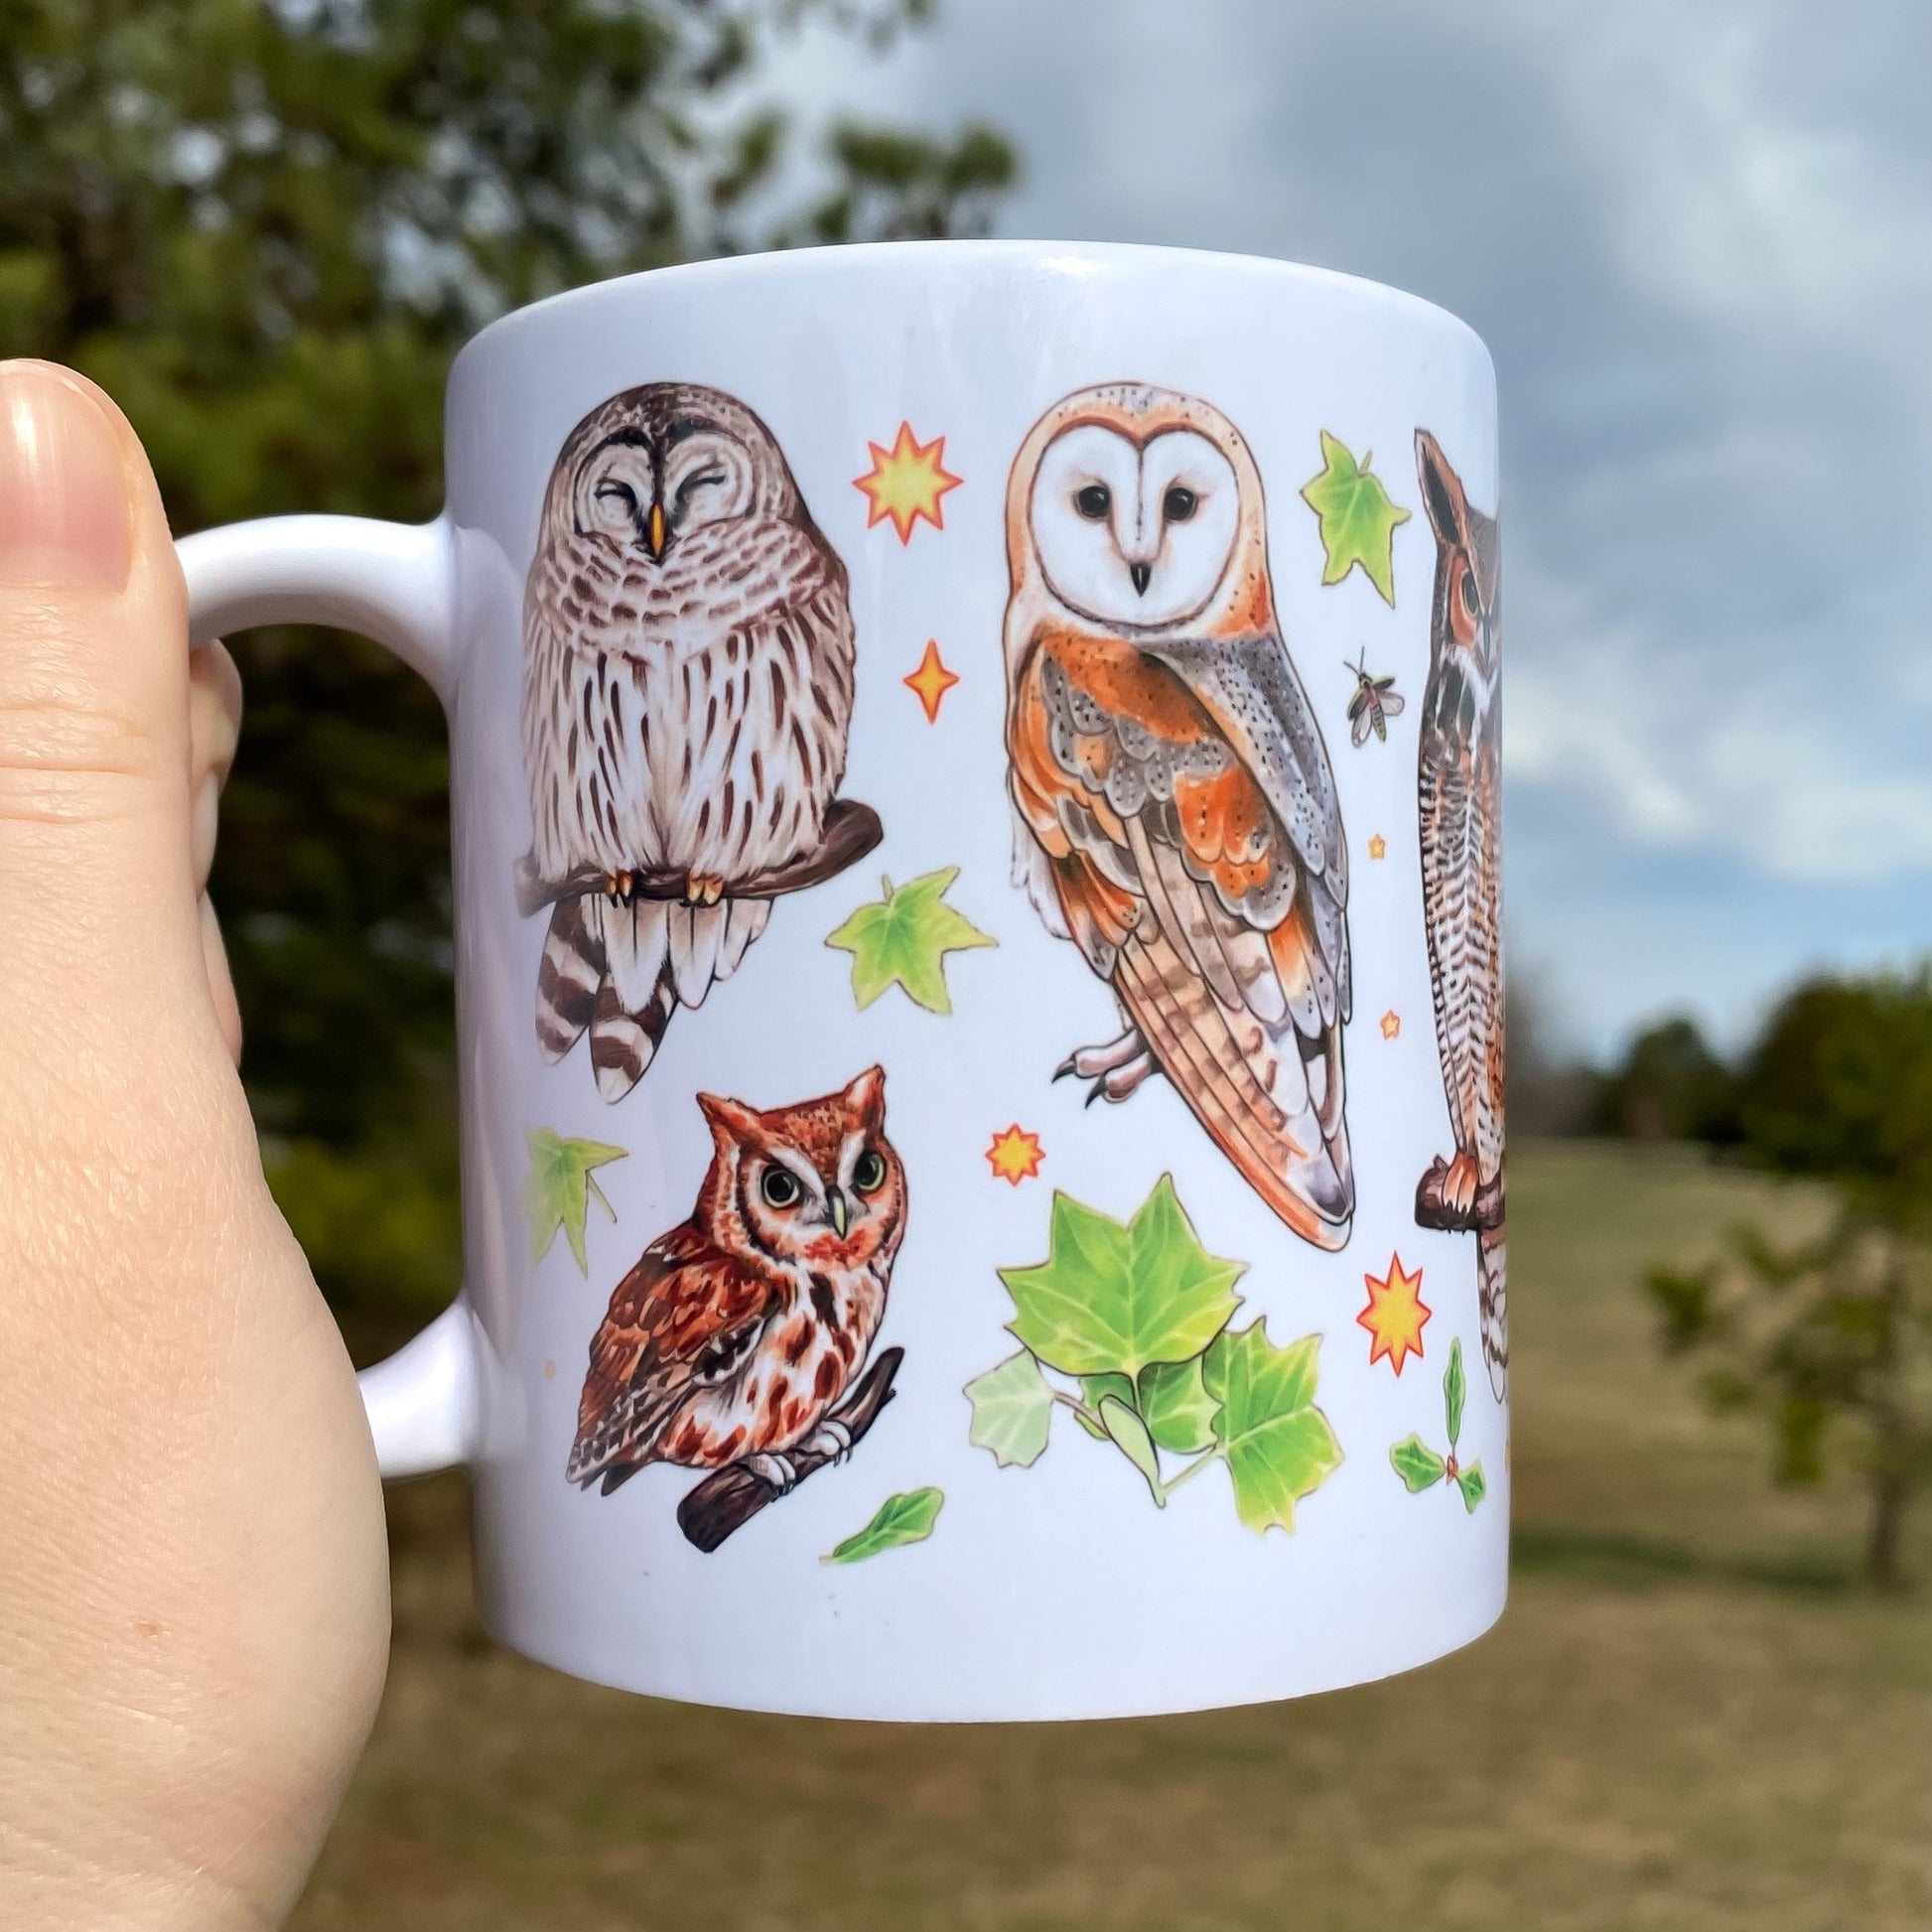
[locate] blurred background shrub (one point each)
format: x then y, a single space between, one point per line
265 229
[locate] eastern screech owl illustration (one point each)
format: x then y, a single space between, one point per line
1175 809
739 1329
1459 788
687 690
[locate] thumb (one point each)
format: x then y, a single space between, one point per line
99 933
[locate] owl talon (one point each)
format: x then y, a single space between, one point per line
832 1438
776 1471
620 887
703 888
1115 1069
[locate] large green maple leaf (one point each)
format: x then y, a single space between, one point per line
1111 1299
558 1189
905 938
1358 522
1277 1444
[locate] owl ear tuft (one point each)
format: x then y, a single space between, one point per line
1442 491
866 1096
732 1123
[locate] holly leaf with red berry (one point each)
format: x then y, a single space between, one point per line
1422 1468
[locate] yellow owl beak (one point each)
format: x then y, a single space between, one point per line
655 533
836 1205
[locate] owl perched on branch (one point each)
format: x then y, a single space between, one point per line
1459 791
733 1341
687 692
1176 812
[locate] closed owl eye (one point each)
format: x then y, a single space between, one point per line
692 485
1094 502
617 493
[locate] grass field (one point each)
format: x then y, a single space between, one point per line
1691 1716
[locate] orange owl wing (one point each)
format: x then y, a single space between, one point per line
686 1315
1184 801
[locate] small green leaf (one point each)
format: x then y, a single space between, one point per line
901 1519
1130 1434
557 1191
1473 1486
1111 1299
1277 1444
905 938
1013 1409
1417 1464
1454 1387
1358 522
1176 1406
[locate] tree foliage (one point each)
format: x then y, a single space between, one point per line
1670 1086
264 227
1830 1339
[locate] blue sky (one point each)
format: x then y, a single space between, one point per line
1698 240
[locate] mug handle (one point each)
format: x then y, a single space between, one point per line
395 582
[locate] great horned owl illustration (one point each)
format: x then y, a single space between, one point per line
735 1335
1175 809
687 690
1460 786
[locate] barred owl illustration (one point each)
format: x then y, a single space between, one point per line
1459 787
687 690
1175 809
733 1339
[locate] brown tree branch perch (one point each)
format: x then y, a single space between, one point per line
727 1499
850 831
1432 1213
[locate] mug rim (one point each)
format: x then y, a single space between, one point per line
1092 256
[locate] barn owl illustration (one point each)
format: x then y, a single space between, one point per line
737 1333
1175 809
687 690
1459 787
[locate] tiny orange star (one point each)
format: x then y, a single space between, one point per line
1016 1155
931 681
1395 1315
1378 846
1391 1023
906 482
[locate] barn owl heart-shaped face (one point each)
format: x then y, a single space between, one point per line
1134 534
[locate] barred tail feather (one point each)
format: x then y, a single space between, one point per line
623 1042
1493 1298
569 975
1249 1086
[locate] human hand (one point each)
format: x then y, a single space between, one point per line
193 1608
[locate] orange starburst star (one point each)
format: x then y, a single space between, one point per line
1395 1315
1378 846
1016 1155
1391 1025
931 681
906 482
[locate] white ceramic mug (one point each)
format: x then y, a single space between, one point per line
976 932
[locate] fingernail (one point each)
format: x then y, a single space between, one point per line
63 519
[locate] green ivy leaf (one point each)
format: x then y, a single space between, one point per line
557 1191
1418 1464
900 1520
905 938
1111 1299
1176 1406
1130 1434
1120 1386
1277 1444
1473 1486
1013 1409
1358 522
1454 1388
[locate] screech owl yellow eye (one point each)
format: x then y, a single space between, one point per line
780 1188
869 1171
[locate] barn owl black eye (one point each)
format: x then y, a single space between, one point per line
1180 504
1094 502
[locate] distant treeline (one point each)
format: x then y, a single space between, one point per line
1669 1084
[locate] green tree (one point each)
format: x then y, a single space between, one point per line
1832 1340
1670 1087
264 227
